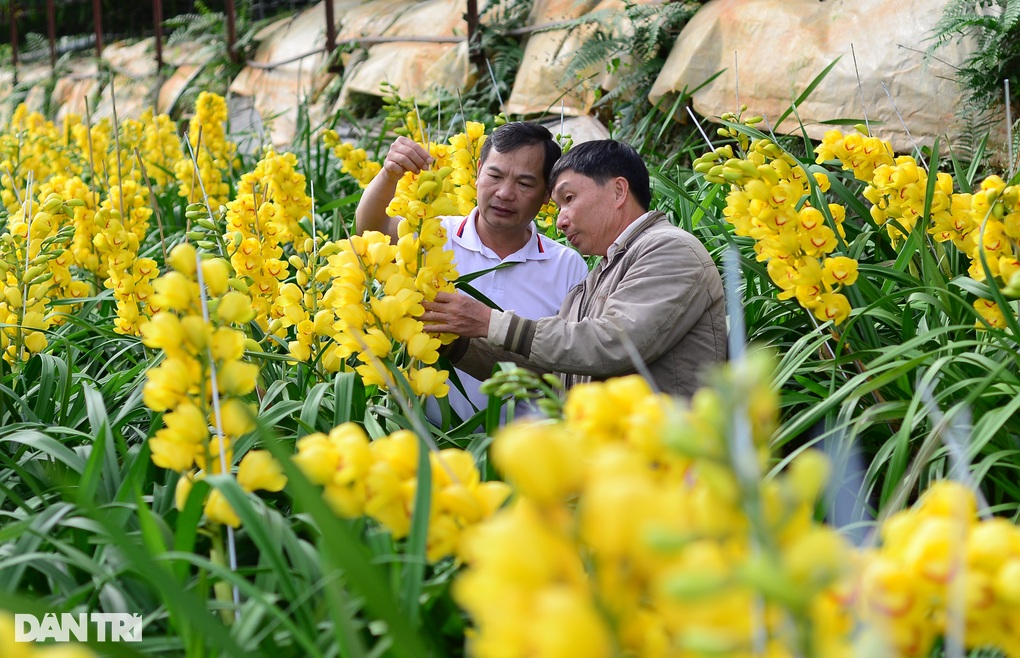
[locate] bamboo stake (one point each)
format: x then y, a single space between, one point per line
860 89
917 148
152 200
701 130
736 81
495 86
13 8
218 417
116 139
92 156
1009 130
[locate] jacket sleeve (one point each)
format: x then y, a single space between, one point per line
664 291
478 358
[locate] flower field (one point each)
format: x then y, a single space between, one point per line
211 411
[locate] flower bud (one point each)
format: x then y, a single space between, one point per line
235 308
196 332
13 296
1007 583
52 204
251 345
216 273
182 258
206 223
259 471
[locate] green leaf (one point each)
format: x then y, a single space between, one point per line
343 553
414 555
312 406
477 295
807 91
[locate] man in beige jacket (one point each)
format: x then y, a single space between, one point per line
656 297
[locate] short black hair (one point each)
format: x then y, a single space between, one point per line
512 136
604 159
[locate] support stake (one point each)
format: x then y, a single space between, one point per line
475 54
51 32
13 8
333 65
157 25
97 22
228 5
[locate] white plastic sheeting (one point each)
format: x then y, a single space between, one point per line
775 48
541 84
415 68
299 42
277 93
135 81
769 52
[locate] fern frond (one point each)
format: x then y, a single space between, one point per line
995 25
1011 17
602 16
35 41
594 54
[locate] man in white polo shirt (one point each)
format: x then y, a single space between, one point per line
513 176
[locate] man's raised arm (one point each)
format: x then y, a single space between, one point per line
404 155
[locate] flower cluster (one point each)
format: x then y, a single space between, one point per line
214 154
376 293
458 159
938 562
772 199
992 240
276 179
32 144
82 206
54 209
897 193
466 152
122 222
354 160
420 200
203 378
302 305
34 271
985 225
161 148
94 143
426 195
257 228
121 164
379 479
858 152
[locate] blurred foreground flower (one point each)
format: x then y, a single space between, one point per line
639 526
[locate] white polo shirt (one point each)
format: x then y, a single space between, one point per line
534 288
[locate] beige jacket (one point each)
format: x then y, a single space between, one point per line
659 298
